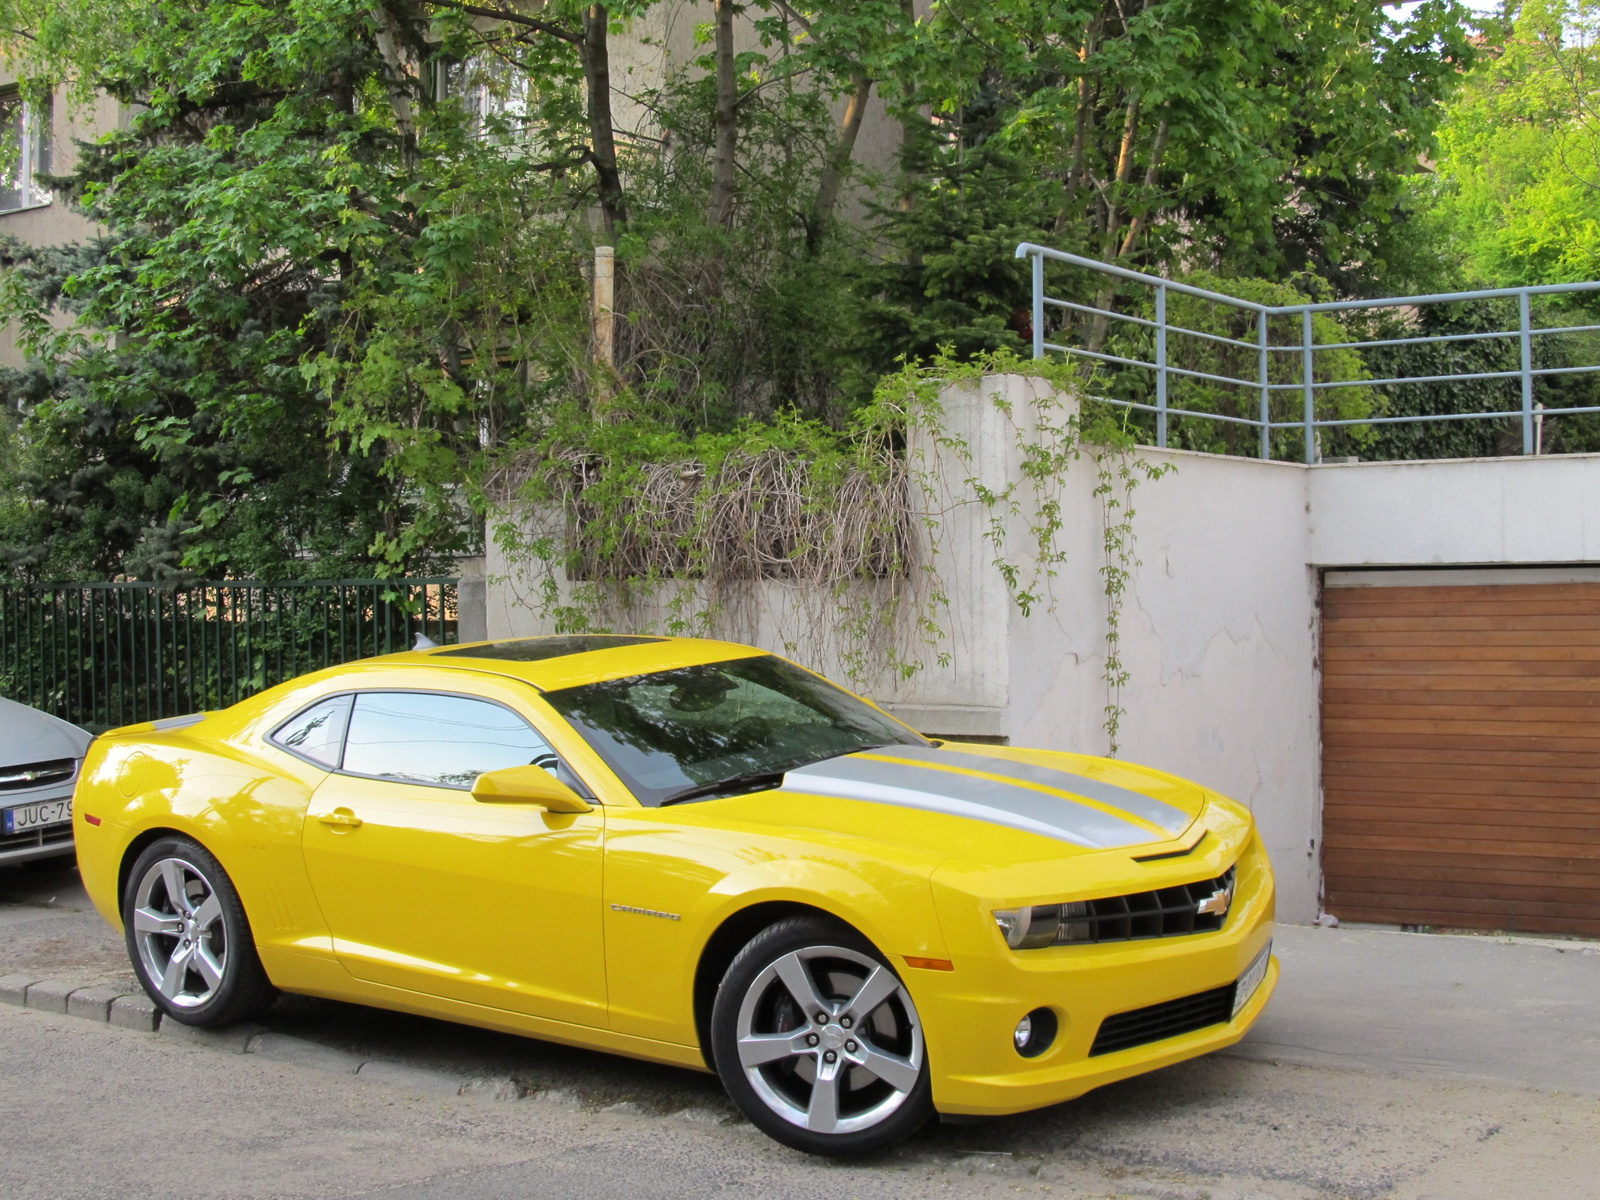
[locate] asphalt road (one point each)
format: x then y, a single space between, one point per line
1389 1065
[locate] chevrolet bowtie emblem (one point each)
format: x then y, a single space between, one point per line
1217 903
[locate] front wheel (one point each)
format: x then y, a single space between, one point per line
189 938
818 1041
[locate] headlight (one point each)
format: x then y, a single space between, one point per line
1043 924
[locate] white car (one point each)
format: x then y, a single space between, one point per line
39 760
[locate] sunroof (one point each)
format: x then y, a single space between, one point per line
537 649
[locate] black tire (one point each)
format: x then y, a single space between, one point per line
218 943
779 1095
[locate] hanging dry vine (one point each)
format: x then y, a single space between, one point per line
825 542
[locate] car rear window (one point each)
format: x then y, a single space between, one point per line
317 732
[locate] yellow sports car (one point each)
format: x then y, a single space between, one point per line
692 852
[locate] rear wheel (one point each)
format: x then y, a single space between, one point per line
818 1041
188 936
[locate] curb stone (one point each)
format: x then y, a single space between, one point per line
135 1012
14 988
418 1079
232 1038
48 995
284 1047
92 1002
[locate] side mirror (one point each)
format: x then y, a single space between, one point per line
528 785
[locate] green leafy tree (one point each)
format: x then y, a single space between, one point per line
1517 188
341 283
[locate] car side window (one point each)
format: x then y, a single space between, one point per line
317 732
445 741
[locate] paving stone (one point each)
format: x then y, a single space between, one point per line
49 995
417 1079
135 1012
92 1002
14 988
232 1039
283 1047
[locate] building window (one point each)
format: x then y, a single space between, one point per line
26 150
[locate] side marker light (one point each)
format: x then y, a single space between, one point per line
91 820
931 964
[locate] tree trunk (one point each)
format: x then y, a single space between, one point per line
602 132
838 160
1108 242
1081 127
395 78
726 121
1151 174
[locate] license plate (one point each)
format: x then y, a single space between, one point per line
36 816
1251 980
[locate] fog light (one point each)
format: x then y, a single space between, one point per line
1035 1033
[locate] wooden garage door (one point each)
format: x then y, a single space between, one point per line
1461 755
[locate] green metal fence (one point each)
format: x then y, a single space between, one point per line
107 654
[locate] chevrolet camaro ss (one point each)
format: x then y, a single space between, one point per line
691 852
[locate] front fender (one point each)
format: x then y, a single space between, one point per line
673 881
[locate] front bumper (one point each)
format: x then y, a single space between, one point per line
47 842
970 1013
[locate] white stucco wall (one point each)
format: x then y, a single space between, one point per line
1459 511
1220 619
1218 638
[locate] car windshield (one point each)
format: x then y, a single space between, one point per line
678 730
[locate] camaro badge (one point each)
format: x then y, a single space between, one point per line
645 912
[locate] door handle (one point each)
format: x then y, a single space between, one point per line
340 818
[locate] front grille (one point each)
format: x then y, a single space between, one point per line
1167 912
39 774
1160 1021
48 835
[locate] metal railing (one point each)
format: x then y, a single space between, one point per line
1308 386
107 654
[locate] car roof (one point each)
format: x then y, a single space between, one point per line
567 660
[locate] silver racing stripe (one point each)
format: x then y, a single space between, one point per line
1174 820
959 795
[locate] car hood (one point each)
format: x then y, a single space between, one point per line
29 736
1003 803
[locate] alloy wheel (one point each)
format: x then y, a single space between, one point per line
829 1040
180 933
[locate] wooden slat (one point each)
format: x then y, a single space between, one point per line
1515 610
1448 701
1553 673
1461 756
1490 626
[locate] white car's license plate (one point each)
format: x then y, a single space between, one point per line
1251 980
35 816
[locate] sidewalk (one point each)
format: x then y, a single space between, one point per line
1516 1011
